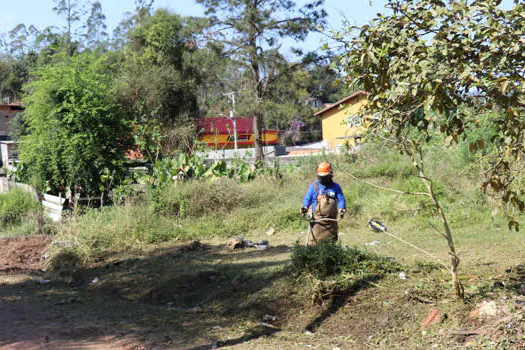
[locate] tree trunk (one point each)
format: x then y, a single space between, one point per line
454 259
257 134
68 38
256 83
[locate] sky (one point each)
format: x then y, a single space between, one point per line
40 13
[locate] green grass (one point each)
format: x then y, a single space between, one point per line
223 208
18 213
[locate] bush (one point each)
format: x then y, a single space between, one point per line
77 129
14 206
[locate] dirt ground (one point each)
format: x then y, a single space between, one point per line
30 316
23 253
201 296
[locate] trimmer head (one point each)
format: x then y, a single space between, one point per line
376 226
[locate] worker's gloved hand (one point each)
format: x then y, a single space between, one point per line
304 210
342 213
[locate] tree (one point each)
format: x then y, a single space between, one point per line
288 106
17 127
325 83
121 33
160 74
5 71
72 11
14 73
50 43
428 62
18 43
248 28
4 46
76 129
96 27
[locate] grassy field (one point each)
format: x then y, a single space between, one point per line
187 294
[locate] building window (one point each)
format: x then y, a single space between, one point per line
355 121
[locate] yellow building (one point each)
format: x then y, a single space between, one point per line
342 121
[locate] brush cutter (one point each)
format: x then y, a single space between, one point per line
378 226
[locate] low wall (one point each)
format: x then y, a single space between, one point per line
53 205
6 186
269 152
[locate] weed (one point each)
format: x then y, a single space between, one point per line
195 198
19 214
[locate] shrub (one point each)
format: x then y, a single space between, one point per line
65 258
76 126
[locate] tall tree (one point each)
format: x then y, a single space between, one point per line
249 28
325 83
142 11
4 46
23 40
160 74
18 40
5 71
96 27
72 11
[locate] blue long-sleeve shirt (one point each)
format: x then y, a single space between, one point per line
311 197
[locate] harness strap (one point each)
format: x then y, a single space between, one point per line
317 195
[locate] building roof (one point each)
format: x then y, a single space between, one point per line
13 106
222 125
340 102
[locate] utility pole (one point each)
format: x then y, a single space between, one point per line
233 118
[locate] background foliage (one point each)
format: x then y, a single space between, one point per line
75 127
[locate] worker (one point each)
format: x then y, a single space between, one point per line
327 201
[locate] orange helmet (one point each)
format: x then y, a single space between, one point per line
324 168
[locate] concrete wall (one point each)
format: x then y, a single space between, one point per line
8 151
243 153
52 205
6 186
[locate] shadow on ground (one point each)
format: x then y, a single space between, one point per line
338 300
181 297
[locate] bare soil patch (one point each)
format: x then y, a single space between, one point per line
202 296
23 253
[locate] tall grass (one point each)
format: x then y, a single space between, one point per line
187 210
224 208
18 213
